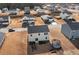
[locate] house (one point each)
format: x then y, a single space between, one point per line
28 20
13 12
4 21
1 39
71 30
40 12
4 10
66 16
37 7
48 19
72 6
38 34
65 13
26 10
49 7
55 12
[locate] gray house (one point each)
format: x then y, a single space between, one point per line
71 30
4 10
12 12
66 16
37 7
28 20
1 38
47 19
38 34
4 21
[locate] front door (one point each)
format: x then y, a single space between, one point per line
36 40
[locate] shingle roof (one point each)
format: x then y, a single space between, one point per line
38 29
74 25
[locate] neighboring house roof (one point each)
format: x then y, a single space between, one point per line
27 9
36 7
74 25
46 17
28 18
1 38
38 29
12 12
5 10
66 11
40 10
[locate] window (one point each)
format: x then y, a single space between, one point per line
45 37
36 39
39 34
45 33
31 35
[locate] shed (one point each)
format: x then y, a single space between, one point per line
71 30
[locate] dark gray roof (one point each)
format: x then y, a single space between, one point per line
1 38
38 29
74 25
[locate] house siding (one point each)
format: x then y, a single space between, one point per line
40 37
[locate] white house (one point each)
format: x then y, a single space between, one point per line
38 34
